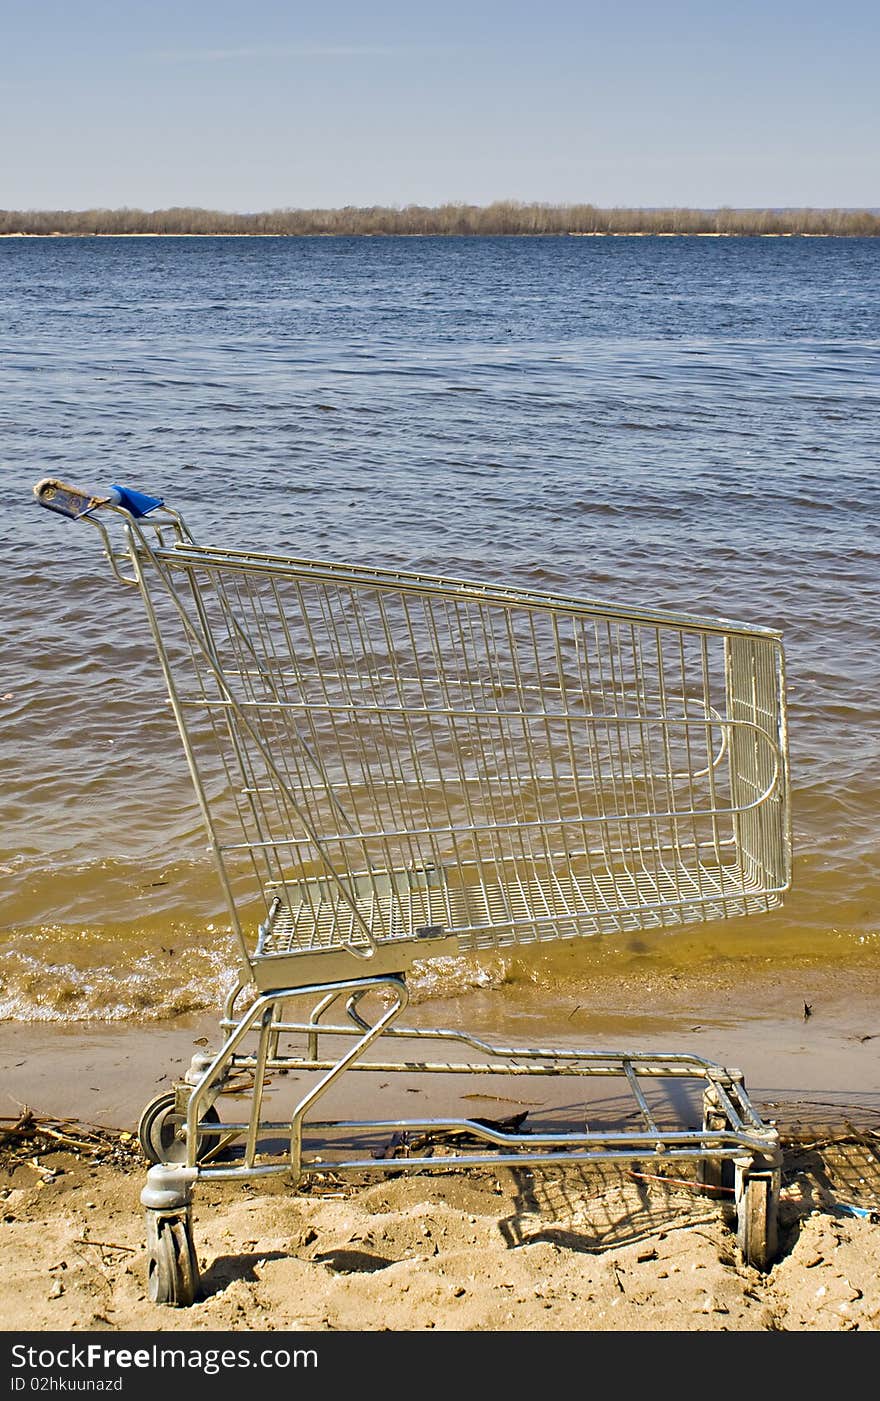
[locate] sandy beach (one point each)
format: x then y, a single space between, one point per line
507 1250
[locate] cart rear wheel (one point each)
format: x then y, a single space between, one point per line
162 1130
173 1272
757 1229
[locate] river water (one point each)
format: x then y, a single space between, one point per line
682 423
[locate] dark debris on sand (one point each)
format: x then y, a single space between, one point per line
28 1135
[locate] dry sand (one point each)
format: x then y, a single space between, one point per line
539 1250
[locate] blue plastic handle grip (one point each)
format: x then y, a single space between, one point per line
136 502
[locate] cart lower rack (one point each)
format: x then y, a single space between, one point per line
394 768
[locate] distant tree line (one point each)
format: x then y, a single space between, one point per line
499 218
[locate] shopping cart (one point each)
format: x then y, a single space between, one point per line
394 768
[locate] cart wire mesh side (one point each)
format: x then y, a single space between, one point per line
395 766
409 756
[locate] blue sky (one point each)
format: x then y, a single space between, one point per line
270 105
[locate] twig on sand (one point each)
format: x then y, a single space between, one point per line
27 1131
105 1244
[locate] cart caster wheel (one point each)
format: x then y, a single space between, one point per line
162 1131
173 1271
757 1226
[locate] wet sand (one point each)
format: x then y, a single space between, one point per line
799 1033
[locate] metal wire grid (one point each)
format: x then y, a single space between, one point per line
400 754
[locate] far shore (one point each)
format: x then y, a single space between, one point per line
621 233
502 218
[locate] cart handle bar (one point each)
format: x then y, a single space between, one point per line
74 503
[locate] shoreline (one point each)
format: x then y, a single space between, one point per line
740 1016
